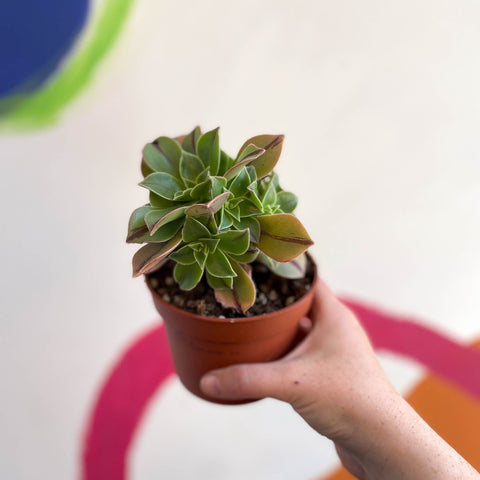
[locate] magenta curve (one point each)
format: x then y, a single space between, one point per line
146 364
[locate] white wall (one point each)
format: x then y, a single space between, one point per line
380 105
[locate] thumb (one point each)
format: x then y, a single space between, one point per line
245 382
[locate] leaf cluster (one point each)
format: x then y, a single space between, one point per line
213 215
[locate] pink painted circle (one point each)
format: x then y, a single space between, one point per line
146 364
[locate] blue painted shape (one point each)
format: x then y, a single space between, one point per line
35 36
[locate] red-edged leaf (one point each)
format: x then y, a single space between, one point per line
167 218
152 256
162 184
136 224
242 296
245 156
210 208
266 162
189 142
208 150
162 155
282 237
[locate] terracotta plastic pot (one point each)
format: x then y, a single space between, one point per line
200 344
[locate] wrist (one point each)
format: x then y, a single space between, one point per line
393 441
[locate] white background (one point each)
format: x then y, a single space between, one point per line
380 105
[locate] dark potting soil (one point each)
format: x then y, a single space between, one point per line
273 292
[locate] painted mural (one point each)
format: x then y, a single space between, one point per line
52 52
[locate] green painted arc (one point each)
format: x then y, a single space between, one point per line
42 108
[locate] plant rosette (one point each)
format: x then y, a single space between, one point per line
212 223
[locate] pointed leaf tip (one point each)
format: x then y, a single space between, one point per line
152 256
242 295
282 237
272 144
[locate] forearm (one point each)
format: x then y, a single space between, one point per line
400 445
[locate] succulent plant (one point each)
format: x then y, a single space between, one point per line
214 215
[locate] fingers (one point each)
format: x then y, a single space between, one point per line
323 301
274 379
247 381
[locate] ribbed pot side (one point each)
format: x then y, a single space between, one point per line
200 344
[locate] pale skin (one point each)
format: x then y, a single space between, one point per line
334 381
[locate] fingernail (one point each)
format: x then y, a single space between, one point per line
210 385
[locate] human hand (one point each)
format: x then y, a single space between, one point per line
335 382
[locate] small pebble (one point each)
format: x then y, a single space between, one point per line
169 281
221 316
154 282
289 301
166 297
272 295
264 287
178 300
262 298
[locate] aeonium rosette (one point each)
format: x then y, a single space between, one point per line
214 215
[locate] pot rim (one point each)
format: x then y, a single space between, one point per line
264 316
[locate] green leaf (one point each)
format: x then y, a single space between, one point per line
162 234
158 218
136 224
203 191
225 163
266 162
200 257
246 156
253 196
159 202
240 183
270 196
252 224
187 276
163 155
226 221
218 265
193 230
234 241
189 143
287 201
183 196
233 212
242 296
294 269
282 237
208 150
139 231
163 184
252 173
248 208
275 181
248 257
209 208
202 177
219 185
211 244
155 160
152 256
183 255
219 283
196 246
190 167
